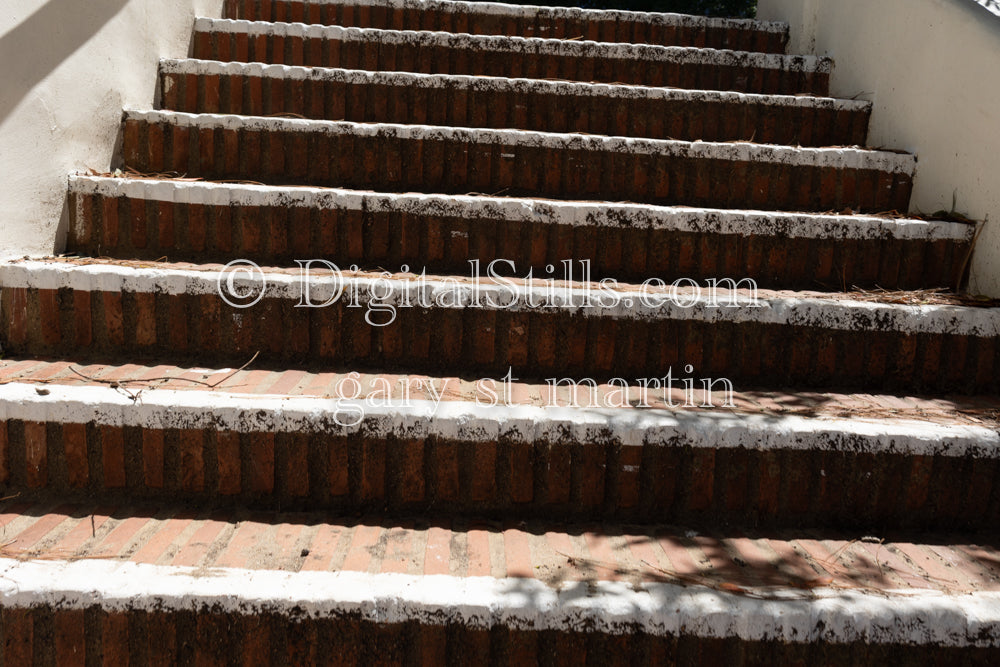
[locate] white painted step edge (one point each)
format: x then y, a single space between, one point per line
574 213
837 158
553 47
541 86
834 616
501 9
584 299
468 421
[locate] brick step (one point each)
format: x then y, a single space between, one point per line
400 158
253 89
418 445
481 18
444 53
216 222
191 587
459 325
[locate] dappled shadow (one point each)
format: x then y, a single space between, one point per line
785 564
39 44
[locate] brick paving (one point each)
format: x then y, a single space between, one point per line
734 562
136 377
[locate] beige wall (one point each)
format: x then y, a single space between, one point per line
932 69
67 68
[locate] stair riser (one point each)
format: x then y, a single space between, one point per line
398 98
542 22
381 232
434 53
47 634
536 343
416 159
504 477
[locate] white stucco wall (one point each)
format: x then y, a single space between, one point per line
932 69
67 68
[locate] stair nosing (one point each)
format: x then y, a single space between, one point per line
739 222
469 421
603 301
204 67
833 157
789 615
504 9
538 45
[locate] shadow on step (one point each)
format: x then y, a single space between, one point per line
75 24
734 561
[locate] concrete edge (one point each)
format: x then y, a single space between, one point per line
535 45
503 9
575 213
201 67
836 158
472 421
835 616
608 299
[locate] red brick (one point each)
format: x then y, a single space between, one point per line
296 473
591 466
70 639
145 319
36 454
557 474
522 476
195 550
483 482
227 448
114 639
192 459
206 161
177 312
446 471
82 319
437 554
411 483
260 455
18 314
517 554
156 161
77 465
152 458
768 494
48 304
629 479
373 466
113 456
4 454
18 636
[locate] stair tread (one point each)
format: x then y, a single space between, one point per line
516 84
553 554
872 311
836 157
511 102
543 45
835 410
527 9
786 224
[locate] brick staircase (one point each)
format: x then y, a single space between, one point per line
346 497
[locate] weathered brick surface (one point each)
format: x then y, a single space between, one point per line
460 162
476 481
213 637
535 344
392 237
509 479
463 102
543 22
463 54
